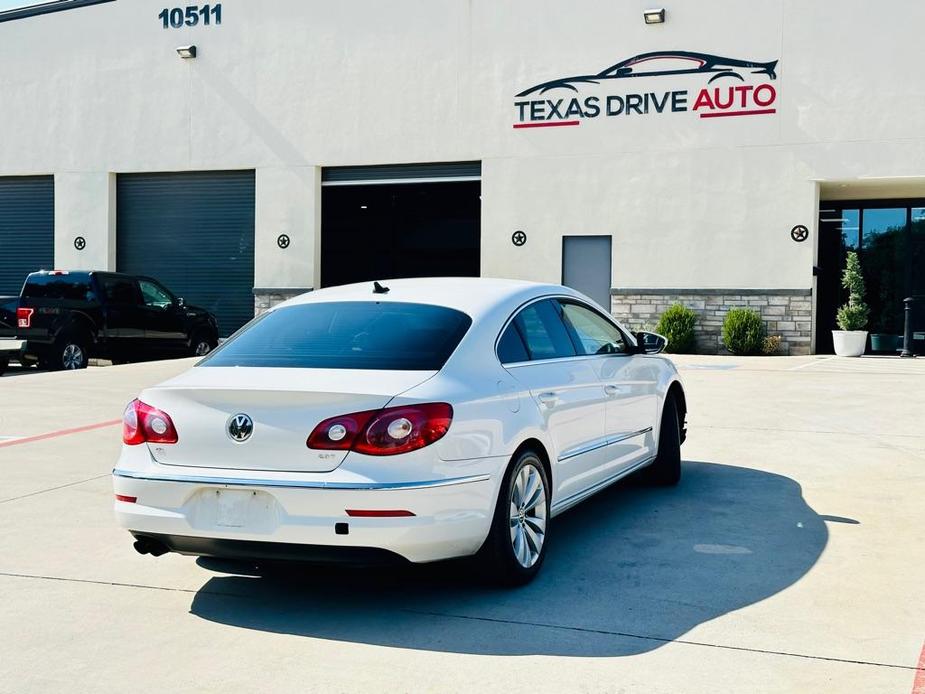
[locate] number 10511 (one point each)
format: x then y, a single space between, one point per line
191 15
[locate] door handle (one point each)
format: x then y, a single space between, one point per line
549 399
611 389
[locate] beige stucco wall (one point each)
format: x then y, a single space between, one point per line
287 86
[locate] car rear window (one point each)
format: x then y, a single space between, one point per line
61 286
347 335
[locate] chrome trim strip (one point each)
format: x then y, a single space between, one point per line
568 502
297 484
609 442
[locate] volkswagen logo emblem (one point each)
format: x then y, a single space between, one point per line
240 427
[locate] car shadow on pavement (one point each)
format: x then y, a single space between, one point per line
627 571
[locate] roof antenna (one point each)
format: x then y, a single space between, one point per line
379 289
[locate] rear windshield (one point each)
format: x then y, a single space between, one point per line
347 335
73 287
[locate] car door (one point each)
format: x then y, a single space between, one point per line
537 351
629 381
125 331
164 326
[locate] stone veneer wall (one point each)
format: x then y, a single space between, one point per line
268 297
786 312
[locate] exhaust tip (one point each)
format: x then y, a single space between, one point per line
145 545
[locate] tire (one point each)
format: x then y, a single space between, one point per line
510 555
201 345
666 470
68 354
4 363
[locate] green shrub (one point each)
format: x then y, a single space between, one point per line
677 324
743 331
853 315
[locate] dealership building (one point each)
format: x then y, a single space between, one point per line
718 153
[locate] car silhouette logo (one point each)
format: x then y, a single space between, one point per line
240 427
660 63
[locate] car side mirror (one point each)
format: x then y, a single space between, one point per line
650 343
181 302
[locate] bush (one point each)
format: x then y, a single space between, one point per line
853 315
677 324
771 345
743 331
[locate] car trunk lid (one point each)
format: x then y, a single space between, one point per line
284 405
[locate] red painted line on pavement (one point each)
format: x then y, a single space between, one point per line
551 124
918 685
722 114
60 432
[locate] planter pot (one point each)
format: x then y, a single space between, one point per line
884 342
849 343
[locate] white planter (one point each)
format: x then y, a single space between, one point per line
849 343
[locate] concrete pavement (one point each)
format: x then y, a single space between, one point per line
789 559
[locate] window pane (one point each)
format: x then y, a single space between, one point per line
119 291
851 229
595 334
542 329
883 261
347 335
511 348
154 295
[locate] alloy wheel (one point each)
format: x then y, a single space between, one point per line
72 357
202 348
528 515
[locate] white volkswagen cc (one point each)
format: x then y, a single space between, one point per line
421 420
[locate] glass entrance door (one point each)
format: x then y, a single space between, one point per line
889 236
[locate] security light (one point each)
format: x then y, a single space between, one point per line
656 16
189 51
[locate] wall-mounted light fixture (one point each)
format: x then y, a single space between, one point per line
654 16
188 51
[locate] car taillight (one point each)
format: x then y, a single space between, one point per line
24 317
142 423
384 432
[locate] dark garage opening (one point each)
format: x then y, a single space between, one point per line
389 230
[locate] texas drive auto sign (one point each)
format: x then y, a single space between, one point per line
742 88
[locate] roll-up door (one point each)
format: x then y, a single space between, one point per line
27 228
193 232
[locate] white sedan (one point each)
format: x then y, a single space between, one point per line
420 420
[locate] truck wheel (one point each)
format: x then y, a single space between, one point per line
70 353
201 345
4 362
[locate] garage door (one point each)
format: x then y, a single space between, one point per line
194 232
27 228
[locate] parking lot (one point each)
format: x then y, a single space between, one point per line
788 559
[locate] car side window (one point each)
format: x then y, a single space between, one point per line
154 296
592 333
543 332
120 291
511 348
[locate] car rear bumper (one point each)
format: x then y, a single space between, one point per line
11 348
212 514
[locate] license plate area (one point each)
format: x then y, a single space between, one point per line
228 509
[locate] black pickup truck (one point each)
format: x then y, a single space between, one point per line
67 317
10 347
